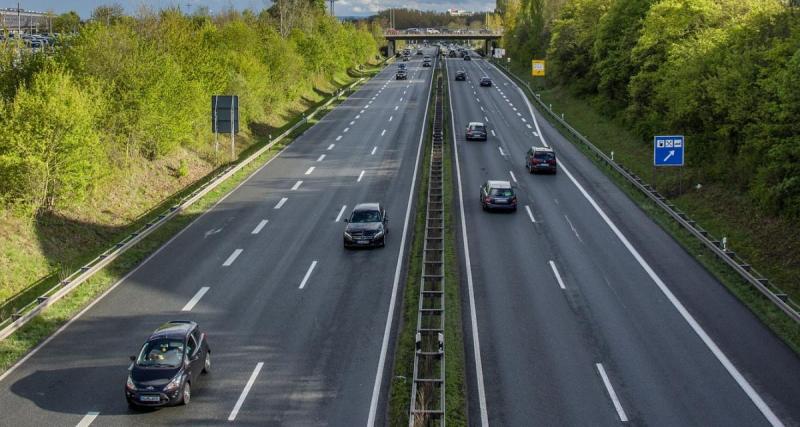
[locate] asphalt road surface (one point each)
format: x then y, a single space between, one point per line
287 309
585 311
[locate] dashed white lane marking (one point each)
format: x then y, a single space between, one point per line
297 185
341 212
530 214
401 99
308 274
195 299
330 147
478 99
482 108
518 113
338 137
374 149
529 126
501 151
404 92
493 134
246 390
361 175
383 132
390 118
352 122
361 112
558 276
310 170
232 258
573 229
365 107
514 108
537 134
87 419
396 107
523 120
346 130
281 203
617 405
513 176
485 119
358 116
260 226
321 157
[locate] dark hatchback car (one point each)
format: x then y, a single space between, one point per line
498 195
541 159
367 226
168 365
476 130
401 75
401 66
426 63
486 81
461 75
467 57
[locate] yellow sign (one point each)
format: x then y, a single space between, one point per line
537 68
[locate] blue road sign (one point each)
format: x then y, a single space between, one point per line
668 150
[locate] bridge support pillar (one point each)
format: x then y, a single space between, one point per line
390 48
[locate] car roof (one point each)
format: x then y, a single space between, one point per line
542 149
173 329
498 184
476 124
367 207
486 77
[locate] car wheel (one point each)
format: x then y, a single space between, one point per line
207 363
187 394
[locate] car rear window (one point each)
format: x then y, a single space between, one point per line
478 127
544 156
502 192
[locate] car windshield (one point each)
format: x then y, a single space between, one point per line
161 352
365 216
502 192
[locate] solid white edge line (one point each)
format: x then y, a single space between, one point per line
712 346
558 276
513 176
87 419
341 211
476 347
310 170
259 226
246 390
361 175
617 405
195 299
232 257
530 214
376 389
308 274
296 185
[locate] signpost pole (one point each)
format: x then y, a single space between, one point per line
216 137
233 126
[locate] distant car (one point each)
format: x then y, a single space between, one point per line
406 58
486 81
168 365
498 195
401 66
467 57
476 130
426 63
426 58
461 75
541 159
419 52
452 54
367 226
401 75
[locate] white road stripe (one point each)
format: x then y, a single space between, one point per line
341 211
617 404
530 214
297 184
281 203
478 99
352 122
528 125
558 276
501 151
485 119
361 112
195 299
338 137
365 107
260 226
308 274
310 170
573 228
404 92
401 99
493 134
246 390
482 108
232 258
512 176
361 175
383 132
87 419
537 134
374 149
390 118
519 114
330 147
396 107
523 120
514 108
358 116
346 129
321 157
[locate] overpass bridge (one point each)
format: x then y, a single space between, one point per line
489 37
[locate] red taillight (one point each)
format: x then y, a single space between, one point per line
514 200
488 199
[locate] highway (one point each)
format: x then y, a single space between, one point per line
582 310
300 329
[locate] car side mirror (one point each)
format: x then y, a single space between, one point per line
133 358
347 220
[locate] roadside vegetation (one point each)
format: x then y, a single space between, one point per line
98 132
725 73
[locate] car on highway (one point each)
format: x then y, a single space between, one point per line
426 63
401 75
419 52
401 66
476 130
406 58
461 75
498 195
486 81
467 57
541 159
451 54
367 226
168 365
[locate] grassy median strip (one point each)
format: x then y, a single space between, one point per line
38 329
585 120
403 370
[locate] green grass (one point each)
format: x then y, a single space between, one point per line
719 211
35 331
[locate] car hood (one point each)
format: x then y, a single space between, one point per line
155 377
363 226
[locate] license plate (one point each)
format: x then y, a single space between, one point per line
362 242
500 201
149 398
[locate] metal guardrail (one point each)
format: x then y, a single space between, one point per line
428 390
777 296
67 285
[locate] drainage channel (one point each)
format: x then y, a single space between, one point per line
427 390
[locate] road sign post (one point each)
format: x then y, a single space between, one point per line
537 68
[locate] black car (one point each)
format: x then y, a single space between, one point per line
498 195
401 75
419 52
476 130
451 54
405 58
467 57
367 226
486 81
168 365
541 159
401 66
461 75
426 63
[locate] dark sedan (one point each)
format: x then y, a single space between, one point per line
461 75
367 226
168 365
401 75
486 81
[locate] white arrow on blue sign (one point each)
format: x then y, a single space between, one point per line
668 150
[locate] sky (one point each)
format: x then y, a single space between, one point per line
342 7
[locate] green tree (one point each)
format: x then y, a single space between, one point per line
573 37
68 22
108 14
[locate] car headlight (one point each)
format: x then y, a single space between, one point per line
378 234
175 383
348 236
130 384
